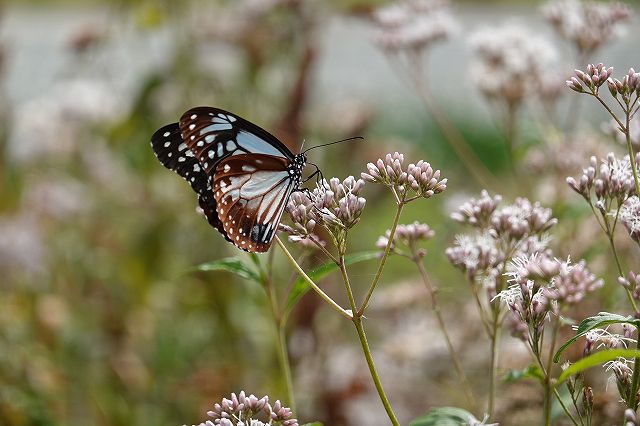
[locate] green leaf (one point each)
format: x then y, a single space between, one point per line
530 372
595 359
300 287
600 320
233 265
313 424
444 416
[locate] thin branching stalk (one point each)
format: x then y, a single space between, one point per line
433 293
495 338
511 133
548 386
311 283
387 250
357 322
452 135
632 156
286 366
635 381
547 416
281 337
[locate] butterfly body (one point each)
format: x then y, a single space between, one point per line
242 174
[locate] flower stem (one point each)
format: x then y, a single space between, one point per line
452 135
433 292
635 381
357 321
279 321
547 378
495 337
387 250
286 366
309 281
632 156
615 256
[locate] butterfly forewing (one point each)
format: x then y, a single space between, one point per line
252 191
213 134
174 154
242 174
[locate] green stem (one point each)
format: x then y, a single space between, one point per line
611 113
619 266
495 338
433 292
279 322
452 135
286 366
387 250
511 132
357 321
536 356
632 156
547 379
564 407
312 284
345 278
635 381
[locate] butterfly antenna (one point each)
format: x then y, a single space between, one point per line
333 143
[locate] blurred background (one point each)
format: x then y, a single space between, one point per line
104 319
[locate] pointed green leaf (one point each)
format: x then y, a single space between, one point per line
597 321
233 265
595 359
444 416
300 287
530 372
313 424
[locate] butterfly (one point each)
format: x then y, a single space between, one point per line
242 174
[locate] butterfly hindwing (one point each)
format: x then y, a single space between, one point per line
209 207
252 191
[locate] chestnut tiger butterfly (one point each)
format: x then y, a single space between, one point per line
242 174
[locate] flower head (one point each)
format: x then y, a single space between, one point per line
408 182
414 24
611 181
335 205
629 215
572 283
509 62
242 410
594 77
477 211
408 235
587 24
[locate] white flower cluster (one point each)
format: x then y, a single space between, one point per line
414 24
509 62
587 24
